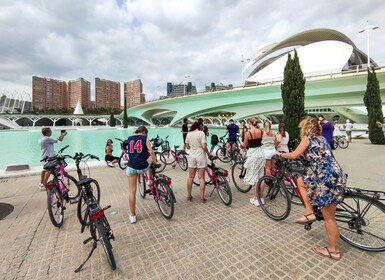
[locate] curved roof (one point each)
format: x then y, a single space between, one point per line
303 39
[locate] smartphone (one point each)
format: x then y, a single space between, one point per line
63 131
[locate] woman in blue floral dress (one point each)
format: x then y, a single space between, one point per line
324 183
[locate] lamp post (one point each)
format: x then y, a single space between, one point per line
367 30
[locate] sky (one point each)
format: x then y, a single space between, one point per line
160 41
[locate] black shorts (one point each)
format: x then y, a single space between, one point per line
110 158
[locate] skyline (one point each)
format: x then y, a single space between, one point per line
163 41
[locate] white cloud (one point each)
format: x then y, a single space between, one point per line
160 41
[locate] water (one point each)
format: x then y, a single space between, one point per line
22 146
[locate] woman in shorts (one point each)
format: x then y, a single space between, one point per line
196 143
141 156
269 144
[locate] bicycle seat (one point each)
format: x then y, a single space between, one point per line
176 147
213 158
84 181
155 166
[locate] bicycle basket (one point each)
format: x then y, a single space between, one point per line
164 146
222 171
51 165
158 142
297 167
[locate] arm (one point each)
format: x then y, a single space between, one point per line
379 124
61 137
302 147
245 141
108 150
204 147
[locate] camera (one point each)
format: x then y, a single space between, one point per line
63 131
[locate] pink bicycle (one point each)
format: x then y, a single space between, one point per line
123 159
218 178
173 157
160 189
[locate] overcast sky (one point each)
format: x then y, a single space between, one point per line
160 41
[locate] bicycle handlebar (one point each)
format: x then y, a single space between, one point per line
62 149
119 139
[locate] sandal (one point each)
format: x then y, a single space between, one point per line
337 256
203 200
304 220
189 198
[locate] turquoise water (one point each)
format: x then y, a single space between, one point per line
22 146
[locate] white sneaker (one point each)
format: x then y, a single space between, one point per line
41 187
253 200
110 164
132 219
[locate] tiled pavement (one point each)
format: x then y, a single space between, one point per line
201 241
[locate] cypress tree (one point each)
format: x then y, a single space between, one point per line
112 122
125 117
293 96
373 103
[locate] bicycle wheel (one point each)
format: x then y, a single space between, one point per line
273 198
55 206
182 161
123 160
224 190
142 185
168 157
102 236
82 205
238 172
361 222
166 200
237 156
70 182
343 143
221 154
161 159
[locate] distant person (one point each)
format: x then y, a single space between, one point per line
323 185
381 125
141 156
348 129
184 132
269 144
282 139
109 158
232 131
196 143
204 128
327 130
47 150
244 130
337 131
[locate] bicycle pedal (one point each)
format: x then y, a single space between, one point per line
147 191
73 201
105 208
63 207
87 240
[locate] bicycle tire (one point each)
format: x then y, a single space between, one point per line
221 154
71 185
224 190
168 157
55 206
343 143
122 161
166 201
82 205
238 172
182 161
105 241
142 185
276 204
160 158
360 219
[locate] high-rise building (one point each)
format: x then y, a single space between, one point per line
174 90
49 93
79 90
133 91
107 94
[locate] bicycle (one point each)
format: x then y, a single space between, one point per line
227 153
218 178
93 216
160 189
340 141
123 159
156 143
360 216
61 189
174 157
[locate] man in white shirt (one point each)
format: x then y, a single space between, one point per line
348 128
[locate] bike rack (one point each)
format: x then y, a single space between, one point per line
379 195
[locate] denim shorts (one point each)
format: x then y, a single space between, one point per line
131 171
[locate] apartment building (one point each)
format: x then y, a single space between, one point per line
133 93
49 93
79 90
107 94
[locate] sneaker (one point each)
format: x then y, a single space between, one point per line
132 219
253 200
41 187
149 183
110 164
226 158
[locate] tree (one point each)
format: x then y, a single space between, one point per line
125 117
373 103
112 121
293 96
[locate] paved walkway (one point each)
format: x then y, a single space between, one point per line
201 241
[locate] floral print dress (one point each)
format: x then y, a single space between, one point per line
325 181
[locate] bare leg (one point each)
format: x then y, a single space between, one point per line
46 177
191 175
42 176
132 193
202 183
309 212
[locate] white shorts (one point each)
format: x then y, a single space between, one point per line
269 153
198 162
